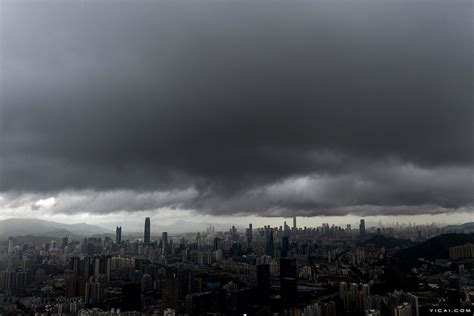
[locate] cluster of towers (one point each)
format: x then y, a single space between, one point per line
146 235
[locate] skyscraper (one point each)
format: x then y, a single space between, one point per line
263 282
362 228
269 247
288 280
164 243
285 246
146 238
118 235
249 235
294 222
217 243
131 297
65 242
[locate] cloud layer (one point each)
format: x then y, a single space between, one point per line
239 107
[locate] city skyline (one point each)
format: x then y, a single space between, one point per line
256 271
176 224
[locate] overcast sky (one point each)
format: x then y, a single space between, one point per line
215 109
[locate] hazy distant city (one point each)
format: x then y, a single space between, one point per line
236 157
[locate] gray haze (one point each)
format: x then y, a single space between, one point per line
238 107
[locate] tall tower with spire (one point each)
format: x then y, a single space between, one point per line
146 238
118 235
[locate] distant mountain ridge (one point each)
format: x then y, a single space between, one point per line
180 226
389 242
436 247
462 228
31 226
38 227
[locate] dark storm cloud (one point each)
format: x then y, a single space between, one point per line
243 102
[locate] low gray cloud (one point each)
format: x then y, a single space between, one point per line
379 189
258 107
